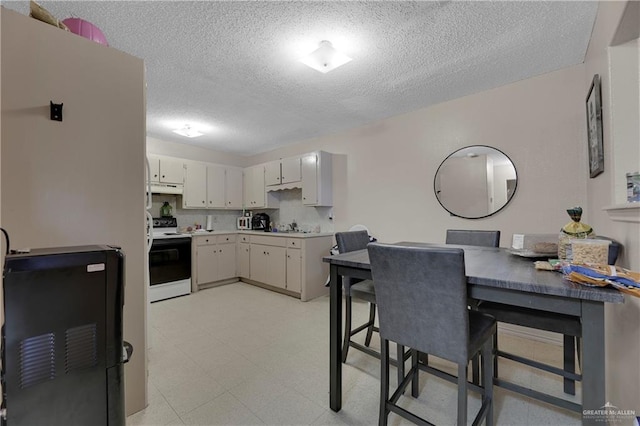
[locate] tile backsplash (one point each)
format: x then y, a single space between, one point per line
291 208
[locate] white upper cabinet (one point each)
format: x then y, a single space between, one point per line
212 186
215 187
166 170
286 170
195 186
291 171
272 173
254 187
317 179
233 188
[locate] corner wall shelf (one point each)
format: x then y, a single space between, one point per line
629 212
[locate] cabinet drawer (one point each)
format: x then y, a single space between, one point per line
222 239
269 241
205 241
294 242
243 238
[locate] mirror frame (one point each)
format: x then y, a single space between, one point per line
515 189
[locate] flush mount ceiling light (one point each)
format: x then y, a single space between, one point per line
188 131
325 58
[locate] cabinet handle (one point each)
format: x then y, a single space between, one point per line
203 202
220 250
163 176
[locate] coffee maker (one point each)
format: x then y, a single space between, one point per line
260 222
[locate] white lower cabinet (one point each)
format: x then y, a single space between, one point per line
268 264
294 269
244 259
214 259
281 263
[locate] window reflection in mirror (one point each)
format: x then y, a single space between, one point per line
475 182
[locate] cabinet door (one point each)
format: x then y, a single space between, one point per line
291 170
254 187
226 261
294 270
276 266
154 168
257 262
310 179
215 187
195 186
244 260
233 189
171 170
272 173
206 264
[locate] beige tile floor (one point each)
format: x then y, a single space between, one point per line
242 355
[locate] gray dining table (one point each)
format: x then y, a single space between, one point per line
493 274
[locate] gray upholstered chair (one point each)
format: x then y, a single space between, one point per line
355 288
470 237
421 294
569 326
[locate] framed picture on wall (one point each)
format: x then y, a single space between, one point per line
594 128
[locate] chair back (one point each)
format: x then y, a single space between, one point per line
352 241
421 294
470 237
614 249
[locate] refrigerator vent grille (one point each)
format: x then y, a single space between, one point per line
81 349
37 360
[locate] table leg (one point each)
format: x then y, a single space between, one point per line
335 340
593 368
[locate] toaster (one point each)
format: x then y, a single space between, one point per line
244 222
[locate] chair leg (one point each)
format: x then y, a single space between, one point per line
347 328
415 381
487 378
475 369
462 394
400 361
384 382
372 321
569 363
494 355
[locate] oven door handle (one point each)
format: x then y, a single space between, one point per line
164 242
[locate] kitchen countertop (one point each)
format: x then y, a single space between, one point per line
269 234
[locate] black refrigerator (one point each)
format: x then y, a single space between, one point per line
62 341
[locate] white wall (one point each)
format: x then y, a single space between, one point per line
79 181
622 331
383 175
191 152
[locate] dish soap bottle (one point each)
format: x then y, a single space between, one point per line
165 210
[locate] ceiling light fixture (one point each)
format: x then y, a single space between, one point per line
188 132
325 58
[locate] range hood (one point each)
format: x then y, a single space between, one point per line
166 188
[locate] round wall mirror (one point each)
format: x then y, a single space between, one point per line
476 181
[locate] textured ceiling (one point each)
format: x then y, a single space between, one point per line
232 66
